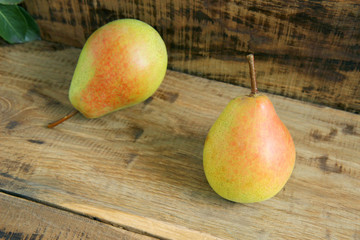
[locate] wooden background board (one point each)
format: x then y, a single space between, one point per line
22 219
141 167
307 50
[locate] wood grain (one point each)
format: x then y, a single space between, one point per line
307 50
22 219
141 167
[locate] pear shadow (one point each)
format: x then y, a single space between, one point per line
183 155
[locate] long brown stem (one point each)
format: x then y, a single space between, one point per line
254 89
54 124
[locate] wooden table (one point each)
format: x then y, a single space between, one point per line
137 173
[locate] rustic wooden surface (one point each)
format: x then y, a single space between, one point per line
307 50
141 168
24 219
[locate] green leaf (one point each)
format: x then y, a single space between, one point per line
12 24
10 2
16 25
32 32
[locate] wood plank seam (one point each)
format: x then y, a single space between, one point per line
103 221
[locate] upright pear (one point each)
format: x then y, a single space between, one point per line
249 153
121 64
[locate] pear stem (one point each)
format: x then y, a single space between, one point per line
54 124
251 61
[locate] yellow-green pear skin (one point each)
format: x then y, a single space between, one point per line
248 154
121 64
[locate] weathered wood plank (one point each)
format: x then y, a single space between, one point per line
142 167
308 50
22 219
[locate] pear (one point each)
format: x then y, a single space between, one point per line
121 64
249 153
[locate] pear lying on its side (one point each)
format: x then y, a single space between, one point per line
121 64
249 154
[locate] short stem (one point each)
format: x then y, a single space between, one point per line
54 124
250 59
